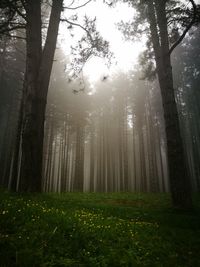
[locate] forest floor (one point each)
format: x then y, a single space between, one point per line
89 229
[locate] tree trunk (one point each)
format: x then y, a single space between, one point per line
179 178
38 70
92 170
79 161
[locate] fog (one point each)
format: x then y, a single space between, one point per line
106 126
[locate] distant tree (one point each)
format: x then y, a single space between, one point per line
11 77
89 135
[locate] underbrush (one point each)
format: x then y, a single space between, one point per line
88 229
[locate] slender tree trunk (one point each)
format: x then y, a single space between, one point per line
125 146
79 162
92 159
67 178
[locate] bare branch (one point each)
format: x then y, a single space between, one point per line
21 14
187 28
71 3
10 22
2 31
78 25
15 36
18 10
5 24
74 8
23 3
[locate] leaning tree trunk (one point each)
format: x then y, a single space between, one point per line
179 177
38 70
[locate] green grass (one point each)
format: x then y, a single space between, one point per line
87 229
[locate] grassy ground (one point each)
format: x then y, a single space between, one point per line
74 229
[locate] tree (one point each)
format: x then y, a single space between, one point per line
38 69
157 14
11 77
39 61
179 177
186 64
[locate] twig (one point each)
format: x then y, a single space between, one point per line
74 8
78 25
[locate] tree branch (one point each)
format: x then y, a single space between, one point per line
21 14
2 31
186 29
71 4
17 9
74 8
15 36
78 25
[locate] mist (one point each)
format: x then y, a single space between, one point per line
99 133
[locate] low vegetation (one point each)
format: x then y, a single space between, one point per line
89 229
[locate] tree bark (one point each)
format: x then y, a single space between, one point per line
179 178
38 70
